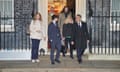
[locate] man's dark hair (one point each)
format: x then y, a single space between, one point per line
54 16
79 15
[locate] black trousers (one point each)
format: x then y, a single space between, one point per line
80 52
68 45
35 48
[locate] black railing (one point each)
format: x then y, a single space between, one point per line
104 27
104 32
14 24
14 35
105 35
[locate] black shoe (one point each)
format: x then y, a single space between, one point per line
58 61
64 55
80 61
52 63
71 57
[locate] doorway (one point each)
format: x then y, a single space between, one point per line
59 4
78 6
72 6
56 6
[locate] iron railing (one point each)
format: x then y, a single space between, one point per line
104 27
14 36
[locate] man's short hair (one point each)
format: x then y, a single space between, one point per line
54 16
79 15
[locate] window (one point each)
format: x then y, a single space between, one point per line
115 10
7 15
115 15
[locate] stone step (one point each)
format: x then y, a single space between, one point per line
67 65
60 70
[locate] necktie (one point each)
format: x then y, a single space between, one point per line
55 24
79 25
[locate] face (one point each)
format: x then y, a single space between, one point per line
56 19
51 9
66 9
37 17
71 21
78 18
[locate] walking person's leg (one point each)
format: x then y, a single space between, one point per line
58 48
37 49
52 53
77 51
71 50
65 47
83 51
35 46
33 50
80 55
70 47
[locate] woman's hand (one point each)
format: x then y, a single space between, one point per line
38 31
88 41
72 42
44 38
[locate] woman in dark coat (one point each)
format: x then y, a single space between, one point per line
68 35
81 37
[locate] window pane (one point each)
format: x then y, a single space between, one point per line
115 11
7 12
1 8
115 4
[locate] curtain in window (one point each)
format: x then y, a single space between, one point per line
7 12
115 11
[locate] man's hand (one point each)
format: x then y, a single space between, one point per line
88 41
63 38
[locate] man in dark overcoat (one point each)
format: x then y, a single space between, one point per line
81 37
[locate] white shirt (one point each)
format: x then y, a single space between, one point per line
80 24
54 22
36 30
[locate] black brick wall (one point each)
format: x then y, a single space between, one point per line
23 10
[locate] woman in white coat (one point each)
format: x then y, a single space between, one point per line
36 34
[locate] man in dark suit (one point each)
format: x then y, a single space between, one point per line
54 39
81 37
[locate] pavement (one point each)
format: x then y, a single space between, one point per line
67 65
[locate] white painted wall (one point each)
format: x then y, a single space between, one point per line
81 8
43 9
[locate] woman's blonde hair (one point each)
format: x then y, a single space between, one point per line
68 20
34 18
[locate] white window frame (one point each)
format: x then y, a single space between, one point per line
114 26
5 27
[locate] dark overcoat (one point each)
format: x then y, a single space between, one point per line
81 35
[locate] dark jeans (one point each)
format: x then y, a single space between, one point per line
35 48
68 45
